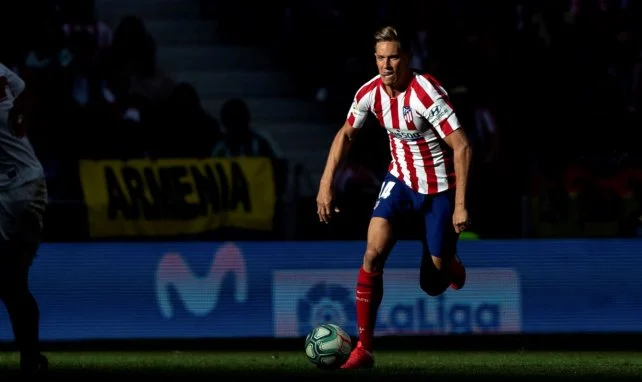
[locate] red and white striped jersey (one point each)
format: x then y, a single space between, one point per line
417 121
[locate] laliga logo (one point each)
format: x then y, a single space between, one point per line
199 294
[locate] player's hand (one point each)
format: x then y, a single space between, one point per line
325 200
460 219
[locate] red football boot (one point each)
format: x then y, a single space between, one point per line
360 358
457 274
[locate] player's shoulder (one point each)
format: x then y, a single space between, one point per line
429 85
368 87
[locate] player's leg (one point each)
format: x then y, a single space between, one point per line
369 291
441 240
370 281
20 230
23 312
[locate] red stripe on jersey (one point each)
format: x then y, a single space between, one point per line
422 95
395 158
446 127
394 113
407 152
395 125
367 89
406 105
376 108
429 165
351 119
427 101
363 92
410 165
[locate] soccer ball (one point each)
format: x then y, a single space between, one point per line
328 346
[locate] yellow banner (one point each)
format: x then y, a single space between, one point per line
177 196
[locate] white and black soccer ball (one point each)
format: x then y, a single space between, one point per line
328 346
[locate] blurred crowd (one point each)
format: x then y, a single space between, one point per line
539 85
98 91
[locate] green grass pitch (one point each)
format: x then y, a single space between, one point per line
293 366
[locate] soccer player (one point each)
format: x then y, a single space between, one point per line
23 198
427 179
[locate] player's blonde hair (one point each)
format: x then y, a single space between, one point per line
392 34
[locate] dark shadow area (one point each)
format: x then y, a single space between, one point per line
314 375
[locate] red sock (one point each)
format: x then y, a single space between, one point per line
369 295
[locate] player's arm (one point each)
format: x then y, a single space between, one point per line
455 137
443 118
338 150
439 112
462 155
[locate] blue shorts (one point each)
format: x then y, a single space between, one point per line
410 211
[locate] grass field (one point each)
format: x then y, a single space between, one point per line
292 366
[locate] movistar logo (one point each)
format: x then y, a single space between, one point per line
200 295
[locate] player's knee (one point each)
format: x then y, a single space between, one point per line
380 242
373 260
437 262
442 263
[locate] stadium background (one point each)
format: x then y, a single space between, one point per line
161 227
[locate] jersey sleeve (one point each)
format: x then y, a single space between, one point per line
359 109
436 107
